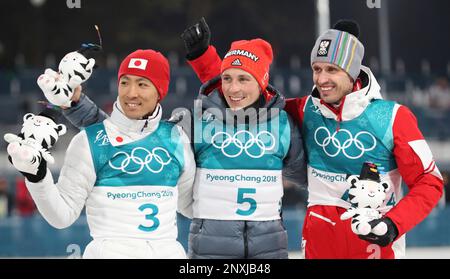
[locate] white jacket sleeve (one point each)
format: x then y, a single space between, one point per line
61 204
186 180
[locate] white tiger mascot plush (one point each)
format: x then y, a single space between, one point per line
366 195
74 69
28 150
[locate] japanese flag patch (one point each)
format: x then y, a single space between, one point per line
137 63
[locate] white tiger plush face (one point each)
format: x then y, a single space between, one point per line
75 64
367 193
43 130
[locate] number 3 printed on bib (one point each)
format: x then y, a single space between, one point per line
151 216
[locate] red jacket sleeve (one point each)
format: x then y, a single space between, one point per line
207 66
419 171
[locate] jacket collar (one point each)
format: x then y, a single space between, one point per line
354 103
142 126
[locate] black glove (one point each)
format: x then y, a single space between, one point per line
382 240
196 39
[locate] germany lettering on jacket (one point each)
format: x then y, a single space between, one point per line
242 53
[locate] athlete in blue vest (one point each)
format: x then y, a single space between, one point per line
131 171
346 122
246 148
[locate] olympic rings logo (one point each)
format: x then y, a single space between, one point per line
158 154
350 141
243 146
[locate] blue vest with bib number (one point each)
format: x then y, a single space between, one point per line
239 168
135 193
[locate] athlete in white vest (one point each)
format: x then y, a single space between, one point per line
132 171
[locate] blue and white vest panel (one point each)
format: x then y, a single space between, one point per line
336 150
135 193
239 168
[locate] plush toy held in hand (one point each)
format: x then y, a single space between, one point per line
74 69
367 194
29 151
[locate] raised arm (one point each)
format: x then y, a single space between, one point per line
84 112
201 56
63 89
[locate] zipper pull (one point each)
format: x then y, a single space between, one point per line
145 125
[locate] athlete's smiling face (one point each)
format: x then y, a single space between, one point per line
138 96
332 82
239 88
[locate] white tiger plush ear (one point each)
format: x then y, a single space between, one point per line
10 138
26 116
352 179
90 64
61 129
386 186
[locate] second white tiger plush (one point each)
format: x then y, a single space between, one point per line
366 194
30 148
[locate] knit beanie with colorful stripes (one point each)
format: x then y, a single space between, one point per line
340 46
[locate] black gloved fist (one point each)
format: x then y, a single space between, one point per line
385 239
196 39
